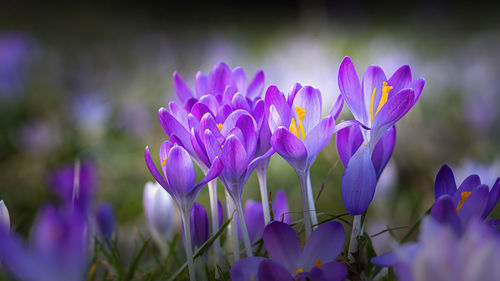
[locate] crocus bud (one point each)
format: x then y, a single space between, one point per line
199 225
4 215
105 219
159 210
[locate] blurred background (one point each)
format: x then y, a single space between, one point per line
85 80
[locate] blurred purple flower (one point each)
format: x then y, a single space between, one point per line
458 206
199 225
441 254
105 219
378 103
159 210
288 262
15 53
59 250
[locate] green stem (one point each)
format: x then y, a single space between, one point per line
212 193
305 202
262 176
188 246
233 228
310 197
243 225
353 244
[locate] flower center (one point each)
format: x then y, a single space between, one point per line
300 270
318 263
463 197
164 162
298 128
385 94
219 126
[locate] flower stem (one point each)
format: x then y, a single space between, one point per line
310 197
305 202
262 176
356 230
233 228
212 192
187 245
243 225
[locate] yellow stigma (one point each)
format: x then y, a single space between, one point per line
318 263
385 95
164 162
219 126
298 130
300 270
463 197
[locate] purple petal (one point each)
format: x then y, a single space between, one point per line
246 124
220 213
324 244
418 86
445 182
337 107
173 127
254 218
208 123
469 184
234 158
223 112
492 198
309 100
319 137
219 78
293 92
351 90
277 99
475 204
290 148
394 109
240 79
348 141
16 258
444 212
240 102
332 271
164 149
280 207
212 173
212 145
182 90
232 119
199 110
180 171
210 101
386 260
246 269
179 113
359 181
282 245
373 79
105 220
259 111
201 84
154 172
383 151
273 271
256 86
199 225
400 80
199 148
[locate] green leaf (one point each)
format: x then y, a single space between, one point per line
137 259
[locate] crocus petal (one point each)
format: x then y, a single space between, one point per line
199 225
383 150
240 79
182 90
273 271
164 149
258 112
212 145
219 78
210 101
386 260
319 137
445 182
208 123
359 181
201 84
308 99
254 218
199 110
324 244
199 148
154 172
256 86
173 127
394 109
220 213
467 185
400 80
232 119
492 198
212 173
351 89
290 148
16 258
332 271
280 207
348 141
337 107
444 212
277 99
474 205
373 79
418 86
234 158
293 92
105 219
239 101
246 269
282 245
247 126
179 113
180 170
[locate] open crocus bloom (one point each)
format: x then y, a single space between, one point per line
441 254
378 103
457 207
287 260
59 248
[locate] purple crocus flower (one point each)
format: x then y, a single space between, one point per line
441 254
299 134
457 207
179 181
199 225
105 220
378 103
254 215
288 262
59 249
